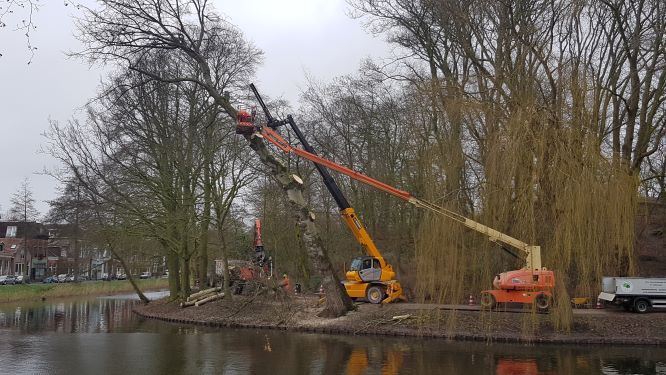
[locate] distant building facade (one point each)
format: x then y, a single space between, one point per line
23 247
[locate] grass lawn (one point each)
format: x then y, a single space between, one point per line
23 292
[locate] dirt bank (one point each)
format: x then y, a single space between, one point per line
607 326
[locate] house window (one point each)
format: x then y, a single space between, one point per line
11 231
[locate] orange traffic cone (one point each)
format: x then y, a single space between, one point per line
599 304
471 302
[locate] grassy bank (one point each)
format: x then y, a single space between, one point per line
27 292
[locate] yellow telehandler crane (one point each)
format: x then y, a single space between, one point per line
370 276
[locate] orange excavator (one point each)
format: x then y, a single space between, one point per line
259 268
532 284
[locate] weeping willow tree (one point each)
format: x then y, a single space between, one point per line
545 181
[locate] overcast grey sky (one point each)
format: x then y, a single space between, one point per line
298 37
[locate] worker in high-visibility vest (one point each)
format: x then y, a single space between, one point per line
285 284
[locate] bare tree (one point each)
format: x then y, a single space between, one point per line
88 218
23 204
126 31
139 153
23 209
23 10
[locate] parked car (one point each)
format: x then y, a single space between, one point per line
10 280
50 279
3 279
19 279
122 276
62 278
145 275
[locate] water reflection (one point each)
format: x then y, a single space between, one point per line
359 361
103 336
68 317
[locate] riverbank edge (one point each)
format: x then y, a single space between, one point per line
329 327
53 293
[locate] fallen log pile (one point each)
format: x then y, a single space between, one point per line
202 297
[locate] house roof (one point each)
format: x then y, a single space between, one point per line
11 246
34 230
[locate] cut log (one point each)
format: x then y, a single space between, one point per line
209 299
187 304
202 294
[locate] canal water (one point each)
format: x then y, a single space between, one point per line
103 336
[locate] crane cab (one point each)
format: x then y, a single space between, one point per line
365 269
368 269
373 279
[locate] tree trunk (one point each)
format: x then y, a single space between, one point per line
205 223
138 291
185 289
225 261
174 274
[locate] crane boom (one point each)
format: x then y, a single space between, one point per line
531 253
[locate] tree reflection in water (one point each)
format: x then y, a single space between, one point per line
103 335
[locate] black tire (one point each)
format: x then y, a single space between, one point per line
374 294
488 301
542 302
642 305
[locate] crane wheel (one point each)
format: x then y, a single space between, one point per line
488 301
542 302
375 294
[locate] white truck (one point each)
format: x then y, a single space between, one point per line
638 294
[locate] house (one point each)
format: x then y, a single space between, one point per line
67 255
23 246
6 259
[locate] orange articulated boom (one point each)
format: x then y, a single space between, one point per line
257 234
273 137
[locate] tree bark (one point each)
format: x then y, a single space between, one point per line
173 267
225 261
205 223
185 289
